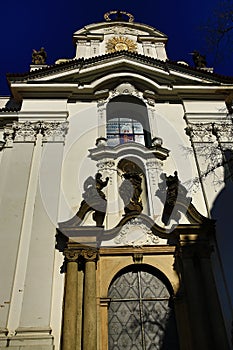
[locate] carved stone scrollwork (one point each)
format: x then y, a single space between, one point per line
107 165
72 255
8 136
223 131
54 131
151 102
27 132
137 234
137 258
90 254
20 132
125 89
200 132
152 167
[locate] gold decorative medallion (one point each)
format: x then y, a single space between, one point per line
120 43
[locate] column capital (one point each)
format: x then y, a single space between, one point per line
90 254
72 255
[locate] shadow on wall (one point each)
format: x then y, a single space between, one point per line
222 212
141 311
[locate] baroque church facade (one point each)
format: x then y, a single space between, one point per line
116 180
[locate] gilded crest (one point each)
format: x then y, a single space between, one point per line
120 43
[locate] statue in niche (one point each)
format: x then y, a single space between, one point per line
170 189
198 59
94 199
130 191
39 57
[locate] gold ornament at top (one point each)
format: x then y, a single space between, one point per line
120 43
118 16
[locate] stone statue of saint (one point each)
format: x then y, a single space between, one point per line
198 59
39 57
130 191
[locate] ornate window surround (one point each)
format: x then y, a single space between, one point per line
126 89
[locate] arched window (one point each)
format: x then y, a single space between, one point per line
141 316
122 130
127 121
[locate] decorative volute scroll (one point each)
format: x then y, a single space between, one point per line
90 254
209 132
136 233
27 131
126 89
72 255
200 132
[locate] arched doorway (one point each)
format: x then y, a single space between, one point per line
141 314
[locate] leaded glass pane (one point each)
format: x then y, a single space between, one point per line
113 140
152 286
126 138
124 332
138 129
126 128
139 139
140 317
113 127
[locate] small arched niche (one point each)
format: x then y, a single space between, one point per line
127 121
132 185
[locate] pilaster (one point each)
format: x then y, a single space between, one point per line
90 303
108 168
70 302
196 294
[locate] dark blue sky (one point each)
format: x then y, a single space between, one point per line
26 25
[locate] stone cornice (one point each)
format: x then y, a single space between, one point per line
78 63
128 148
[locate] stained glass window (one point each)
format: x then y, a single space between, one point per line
122 130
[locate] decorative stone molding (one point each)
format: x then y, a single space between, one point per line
200 132
90 254
223 131
106 165
121 30
101 103
153 166
54 131
101 142
137 258
135 233
72 255
27 132
125 89
8 135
